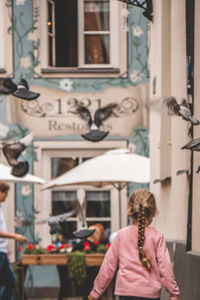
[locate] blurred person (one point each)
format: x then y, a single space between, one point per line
7 278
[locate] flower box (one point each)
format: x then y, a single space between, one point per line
60 259
44 259
94 259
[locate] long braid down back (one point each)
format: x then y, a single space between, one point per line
146 262
142 208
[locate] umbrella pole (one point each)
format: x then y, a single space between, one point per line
120 205
119 187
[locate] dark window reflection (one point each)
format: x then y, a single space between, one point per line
63 48
67 230
98 203
97 49
61 165
62 202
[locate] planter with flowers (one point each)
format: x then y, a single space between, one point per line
59 254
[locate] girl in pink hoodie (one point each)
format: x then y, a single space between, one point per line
140 254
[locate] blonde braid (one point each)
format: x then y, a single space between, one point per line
141 229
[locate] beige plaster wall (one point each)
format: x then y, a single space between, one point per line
168 134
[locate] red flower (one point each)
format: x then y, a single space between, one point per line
108 245
96 243
86 246
30 246
19 248
49 248
61 246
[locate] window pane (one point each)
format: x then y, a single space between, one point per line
96 15
65 42
97 49
98 204
68 228
62 165
62 202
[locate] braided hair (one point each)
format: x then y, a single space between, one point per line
142 208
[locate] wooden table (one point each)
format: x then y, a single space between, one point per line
61 259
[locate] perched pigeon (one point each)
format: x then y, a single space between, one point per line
193 145
163 181
101 114
171 107
12 151
21 90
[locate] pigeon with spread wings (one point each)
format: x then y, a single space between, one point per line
101 114
21 90
171 107
12 150
54 222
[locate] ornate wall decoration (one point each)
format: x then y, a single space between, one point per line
56 109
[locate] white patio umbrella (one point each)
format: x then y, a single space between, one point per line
5 175
115 167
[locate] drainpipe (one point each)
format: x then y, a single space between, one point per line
190 15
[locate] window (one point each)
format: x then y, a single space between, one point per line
81 34
97 202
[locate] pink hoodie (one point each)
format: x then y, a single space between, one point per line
132 278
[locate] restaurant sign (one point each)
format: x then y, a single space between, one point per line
54 113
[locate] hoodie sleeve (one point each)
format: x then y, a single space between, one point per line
166 269
107 269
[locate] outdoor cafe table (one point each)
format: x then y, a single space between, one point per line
91 260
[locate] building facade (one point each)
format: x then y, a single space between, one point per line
81 53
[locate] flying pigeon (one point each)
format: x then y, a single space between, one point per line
171 107
193 145
54 221
101 114
83 231
21 90
12 150
185 171
7 86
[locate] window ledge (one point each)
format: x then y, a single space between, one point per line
81 70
